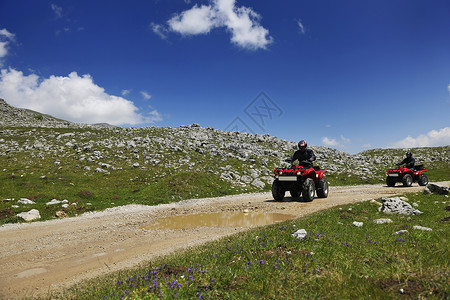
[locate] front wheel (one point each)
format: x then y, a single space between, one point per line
407 180
322 188
308 190
277 191
390 181
423 180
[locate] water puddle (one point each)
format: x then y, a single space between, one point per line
220 219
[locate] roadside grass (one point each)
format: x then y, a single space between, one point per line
336 260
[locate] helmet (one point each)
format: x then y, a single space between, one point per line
408 154
302 145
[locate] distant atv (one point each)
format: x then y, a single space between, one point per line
299 181
407 176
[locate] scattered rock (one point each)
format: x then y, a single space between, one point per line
61 214
432 188
382 221
258 183
300 234
422 228
30 215
401 232
396 206
25 201
358 224
53 202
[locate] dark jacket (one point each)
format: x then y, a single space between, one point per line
305 158
409 161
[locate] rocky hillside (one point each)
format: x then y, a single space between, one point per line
240 158
41 156
12 116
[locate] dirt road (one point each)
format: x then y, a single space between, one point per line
46 256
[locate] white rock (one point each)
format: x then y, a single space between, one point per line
401 232
358 224
30 215
300 234
25 201
382 221
53 202
422 228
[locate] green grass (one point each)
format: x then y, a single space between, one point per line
336 260
164 175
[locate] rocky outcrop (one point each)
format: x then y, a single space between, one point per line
396 206
436 189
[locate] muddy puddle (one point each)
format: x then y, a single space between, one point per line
220 219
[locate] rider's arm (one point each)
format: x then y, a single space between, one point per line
294 157
411 163
312 156
401 163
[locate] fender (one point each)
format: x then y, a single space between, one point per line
419 172
310 173
319 174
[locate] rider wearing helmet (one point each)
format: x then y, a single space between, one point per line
409 161
304 155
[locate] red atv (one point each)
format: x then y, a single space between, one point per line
407 176
299 180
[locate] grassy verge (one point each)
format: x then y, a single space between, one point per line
336 260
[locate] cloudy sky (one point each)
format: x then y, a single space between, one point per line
351 75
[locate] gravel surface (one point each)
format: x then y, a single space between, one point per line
47 256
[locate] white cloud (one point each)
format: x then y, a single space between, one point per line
302 28
71 98
329 142
125 92
433 138
3 49
5 38
6 34
57 10
197 20
448 88
342 142
146 95
160 30
345 140
242 22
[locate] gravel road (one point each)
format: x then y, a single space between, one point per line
39 257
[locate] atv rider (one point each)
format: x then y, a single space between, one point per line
409 161
304 155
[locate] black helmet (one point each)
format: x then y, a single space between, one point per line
408 154
302 145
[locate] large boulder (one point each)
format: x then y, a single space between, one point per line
432 188
396 206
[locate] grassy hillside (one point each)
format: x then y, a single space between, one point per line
95 168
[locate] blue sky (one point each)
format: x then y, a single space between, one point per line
350 75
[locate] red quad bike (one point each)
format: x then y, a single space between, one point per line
407 176
298 180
